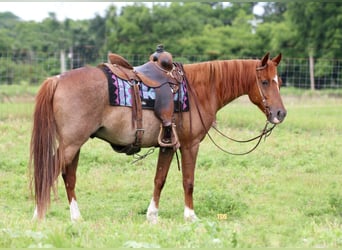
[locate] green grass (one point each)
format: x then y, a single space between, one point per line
17 90
287 193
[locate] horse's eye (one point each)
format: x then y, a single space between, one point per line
265 82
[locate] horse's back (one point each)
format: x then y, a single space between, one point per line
82 83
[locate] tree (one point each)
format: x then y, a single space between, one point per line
130 31
97 33
317 26
318 33
274 11
207 31
8 22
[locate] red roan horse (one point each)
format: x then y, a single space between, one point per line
74 106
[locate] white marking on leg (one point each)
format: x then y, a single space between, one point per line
75 214
35 214
152 212
189 214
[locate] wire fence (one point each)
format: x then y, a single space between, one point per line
28 67
295 72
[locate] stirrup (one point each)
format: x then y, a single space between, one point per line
174 138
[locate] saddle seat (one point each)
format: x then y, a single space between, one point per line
151 73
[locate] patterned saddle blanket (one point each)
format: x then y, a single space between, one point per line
120 93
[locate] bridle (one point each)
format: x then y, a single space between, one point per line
264 133
261 93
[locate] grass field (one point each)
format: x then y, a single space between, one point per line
287 193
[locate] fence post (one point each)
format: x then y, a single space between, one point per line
312 73
71 57
62 59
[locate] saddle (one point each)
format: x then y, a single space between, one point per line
154 74
151 73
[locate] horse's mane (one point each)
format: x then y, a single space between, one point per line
227 79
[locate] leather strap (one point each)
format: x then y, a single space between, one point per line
138 116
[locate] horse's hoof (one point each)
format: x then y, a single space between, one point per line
152 216
35 216
76 219
193 218
75 214
152 213
152 219
189 215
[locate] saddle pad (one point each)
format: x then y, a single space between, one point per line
120 93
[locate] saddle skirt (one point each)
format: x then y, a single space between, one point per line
121 92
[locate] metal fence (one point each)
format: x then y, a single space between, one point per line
33 67
296 72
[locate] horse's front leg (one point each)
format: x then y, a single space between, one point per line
189 155
69 177
163 166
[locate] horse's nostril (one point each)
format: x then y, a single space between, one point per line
281 114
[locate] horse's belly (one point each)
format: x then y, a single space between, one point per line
119 128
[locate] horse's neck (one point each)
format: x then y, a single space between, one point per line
217 83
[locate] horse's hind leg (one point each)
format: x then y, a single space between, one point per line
69 177
163 166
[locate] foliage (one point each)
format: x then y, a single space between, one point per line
317 26
213 30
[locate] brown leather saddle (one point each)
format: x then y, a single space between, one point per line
153 74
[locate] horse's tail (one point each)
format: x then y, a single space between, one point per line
45 160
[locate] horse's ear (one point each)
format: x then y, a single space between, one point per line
277 59
265 59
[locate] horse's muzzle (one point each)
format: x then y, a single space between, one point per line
276 116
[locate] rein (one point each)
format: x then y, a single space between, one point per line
265 133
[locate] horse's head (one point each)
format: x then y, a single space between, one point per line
265 92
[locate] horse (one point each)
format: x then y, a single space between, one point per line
72 107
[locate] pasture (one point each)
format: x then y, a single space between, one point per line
287 193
